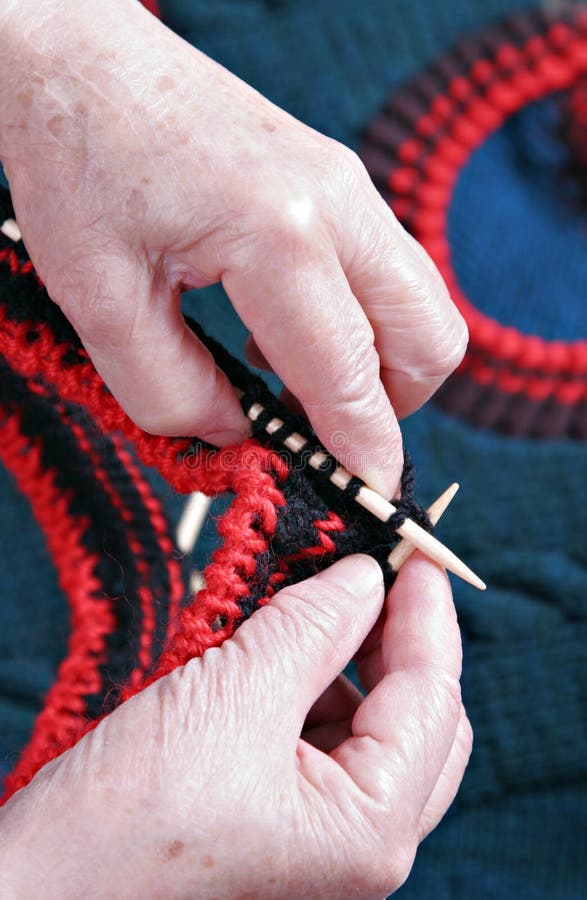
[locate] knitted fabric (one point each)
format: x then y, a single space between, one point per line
518 383
519 826
67 442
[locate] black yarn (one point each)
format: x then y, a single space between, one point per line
256 391
309 493
105 533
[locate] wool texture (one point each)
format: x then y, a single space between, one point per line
518 383
72 450
515 226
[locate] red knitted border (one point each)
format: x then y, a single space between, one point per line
145 593
457 120
207 621
187 471
63 717
249 470
159 526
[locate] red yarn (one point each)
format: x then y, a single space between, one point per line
145 594
248 470
63 717
159 524
506 82
324 547
152 6
187 471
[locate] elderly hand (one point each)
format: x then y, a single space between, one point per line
256 772
138 166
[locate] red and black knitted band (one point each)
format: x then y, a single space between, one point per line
517 383
75 454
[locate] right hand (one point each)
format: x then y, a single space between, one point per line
138 166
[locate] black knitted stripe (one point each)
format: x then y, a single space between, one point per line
105 535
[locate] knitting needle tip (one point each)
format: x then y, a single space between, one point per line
402 551
11 230
191 521
439 553
375 503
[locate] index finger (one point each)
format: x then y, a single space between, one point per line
404 730
312 330
420 335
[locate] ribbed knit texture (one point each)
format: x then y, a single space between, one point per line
519 826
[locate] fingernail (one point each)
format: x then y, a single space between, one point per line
382 483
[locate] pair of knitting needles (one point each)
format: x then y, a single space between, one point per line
198 505
413 536
376 504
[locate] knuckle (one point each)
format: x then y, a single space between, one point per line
287 219
449 346
295 220
85 297
384 871
346 163
446 351
156 421
359 357
444 709
86 310
448 697
400 868
439 716
452 336
466 736
459 341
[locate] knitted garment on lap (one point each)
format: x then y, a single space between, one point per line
519 824
72 451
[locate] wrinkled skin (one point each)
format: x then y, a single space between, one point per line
138 166
255 771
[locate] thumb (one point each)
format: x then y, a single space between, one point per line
305 637
131 325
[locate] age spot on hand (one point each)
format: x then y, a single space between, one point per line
25 97
173 850
56 125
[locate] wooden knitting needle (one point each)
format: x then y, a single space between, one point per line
198 505
375 503
11 230
191 521
402 551
188 530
